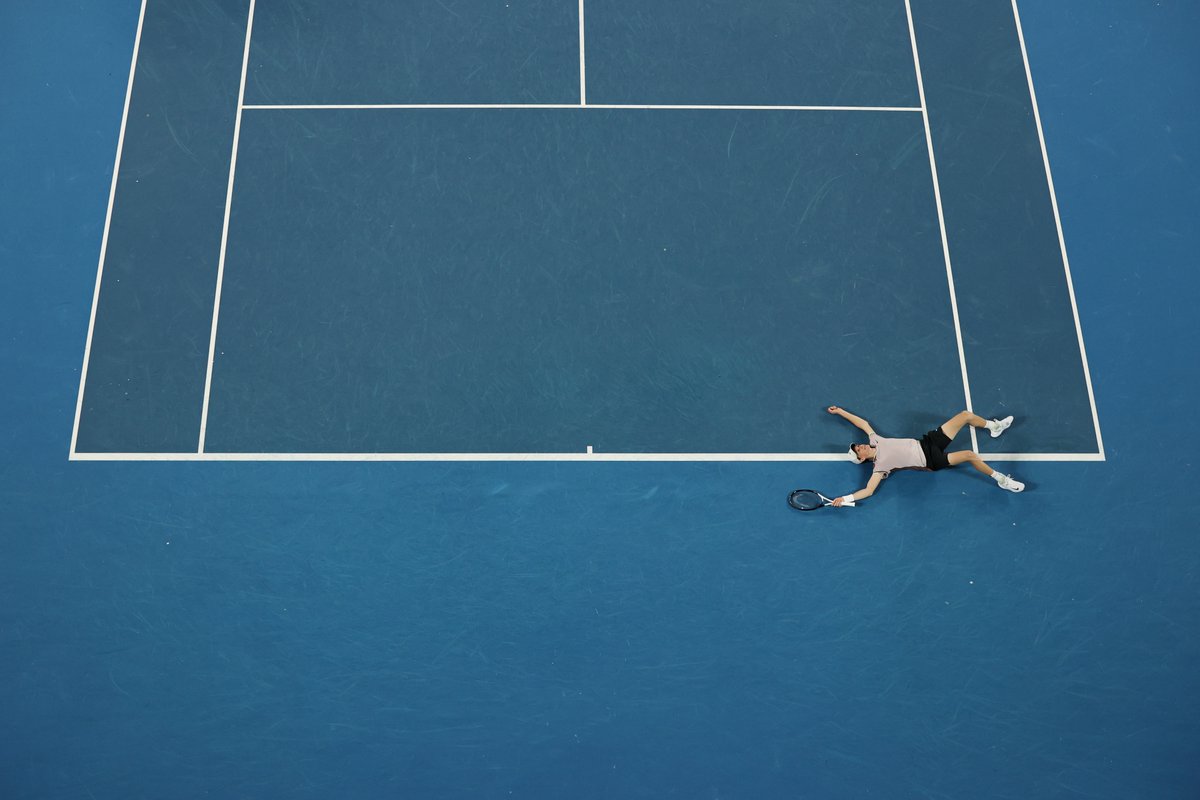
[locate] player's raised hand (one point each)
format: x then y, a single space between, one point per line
834 410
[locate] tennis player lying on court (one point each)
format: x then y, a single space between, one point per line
929 453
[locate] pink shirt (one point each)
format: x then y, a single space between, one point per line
893 454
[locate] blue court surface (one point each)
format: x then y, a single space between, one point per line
401 398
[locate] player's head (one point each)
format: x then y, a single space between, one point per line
861 452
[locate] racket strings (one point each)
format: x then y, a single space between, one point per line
807 500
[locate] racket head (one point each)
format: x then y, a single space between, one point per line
807 500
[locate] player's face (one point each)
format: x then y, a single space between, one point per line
863 451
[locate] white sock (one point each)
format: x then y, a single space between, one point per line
996 476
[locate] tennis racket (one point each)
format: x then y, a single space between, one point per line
811 500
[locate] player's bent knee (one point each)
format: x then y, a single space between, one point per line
963 457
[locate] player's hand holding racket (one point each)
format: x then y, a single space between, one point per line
811 500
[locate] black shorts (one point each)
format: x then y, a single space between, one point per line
933 445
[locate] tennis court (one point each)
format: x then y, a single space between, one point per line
630 268
404 398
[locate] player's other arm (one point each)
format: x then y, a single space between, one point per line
857 422
863 493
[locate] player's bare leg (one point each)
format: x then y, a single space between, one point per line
969 457
952 426
972 458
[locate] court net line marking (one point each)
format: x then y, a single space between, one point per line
237 130
112 195
591 106
1062 244
660 457
937 196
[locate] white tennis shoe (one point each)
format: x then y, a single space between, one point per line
999 426
1011 484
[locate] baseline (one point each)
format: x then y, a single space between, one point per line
592 106
519 457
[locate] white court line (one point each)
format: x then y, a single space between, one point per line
937 196
1062 244
647 457
1043 456
599 106
112 195
237 131
582 62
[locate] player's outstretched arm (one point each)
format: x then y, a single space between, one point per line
857 422
861 494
